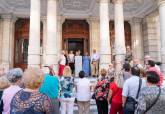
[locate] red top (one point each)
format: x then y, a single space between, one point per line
116 93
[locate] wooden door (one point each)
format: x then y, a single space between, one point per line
77 32
21 42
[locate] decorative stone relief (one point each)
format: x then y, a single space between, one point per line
80 8
81 5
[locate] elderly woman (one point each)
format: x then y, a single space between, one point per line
4 83
51 87
101 92
14 76
115 94
152 97
67 92
30 100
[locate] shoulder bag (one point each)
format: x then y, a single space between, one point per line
131 103
155 101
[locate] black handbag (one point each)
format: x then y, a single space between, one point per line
93 96
131 103
75 100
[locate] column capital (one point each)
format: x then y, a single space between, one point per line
61 19
102 1
93 19
117 1
136 20
43 19
161 2
9 17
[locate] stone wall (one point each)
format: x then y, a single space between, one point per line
151 36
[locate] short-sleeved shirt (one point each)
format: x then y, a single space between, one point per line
131 86
8 96
102 88
62 60
116 93
95 57
67 87
83 89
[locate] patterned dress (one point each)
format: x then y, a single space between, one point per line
147 97
30 103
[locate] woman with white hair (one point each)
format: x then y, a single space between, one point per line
29 100
115 94
14 76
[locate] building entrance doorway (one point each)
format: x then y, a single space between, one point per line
75 44
75 35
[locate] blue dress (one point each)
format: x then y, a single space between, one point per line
86 65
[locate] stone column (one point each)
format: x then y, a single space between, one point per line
44 22
105 49
1 41
7 40
60 21
51 42
162 32
137 40
94 38
120 49
34 35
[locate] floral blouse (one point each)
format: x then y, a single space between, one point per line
102 88
67 87
30 103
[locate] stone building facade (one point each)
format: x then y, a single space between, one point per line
33 32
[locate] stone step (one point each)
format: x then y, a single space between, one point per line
93 107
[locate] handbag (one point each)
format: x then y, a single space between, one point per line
131 103
155 101
1 102
75 100
93 96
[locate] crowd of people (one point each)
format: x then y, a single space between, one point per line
78 62
135 89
